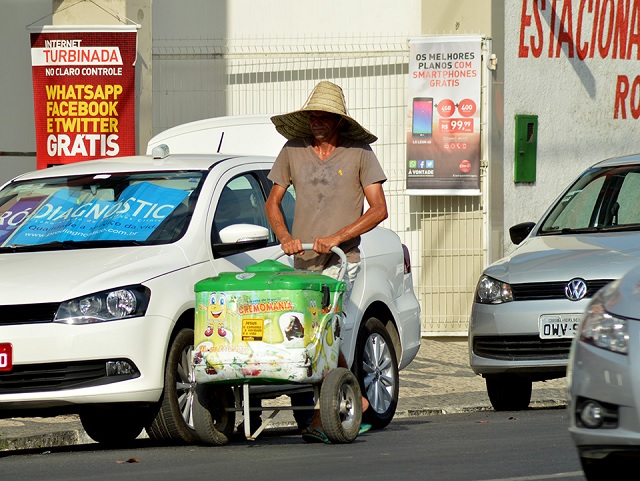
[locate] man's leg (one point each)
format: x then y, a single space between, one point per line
303 417
350 275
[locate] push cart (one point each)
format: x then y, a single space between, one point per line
271 325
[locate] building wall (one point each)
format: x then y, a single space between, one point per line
17 135
211 30
459 17
579 119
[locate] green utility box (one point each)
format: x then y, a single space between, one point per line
526 145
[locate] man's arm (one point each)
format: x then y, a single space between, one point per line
289 245
376 213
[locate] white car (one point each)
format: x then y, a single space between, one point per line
99 260
604 381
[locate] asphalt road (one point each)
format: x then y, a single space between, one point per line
478 446
439 380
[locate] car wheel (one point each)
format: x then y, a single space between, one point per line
174 419
213 416
509 393
115 426
376 369
340 405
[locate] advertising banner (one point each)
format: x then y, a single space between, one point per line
14 212
443 131
68 216
83 92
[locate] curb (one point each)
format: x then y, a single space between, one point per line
57 439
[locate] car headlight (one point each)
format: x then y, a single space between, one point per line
111 305
601 329
492 291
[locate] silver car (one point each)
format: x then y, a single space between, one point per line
528 305
604 382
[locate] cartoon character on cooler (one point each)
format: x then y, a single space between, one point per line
217 313
323 353
314 311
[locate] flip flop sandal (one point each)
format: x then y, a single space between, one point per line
364 428
314 435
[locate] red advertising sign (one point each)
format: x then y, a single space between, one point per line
83 93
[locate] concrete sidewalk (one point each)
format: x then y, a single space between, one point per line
438 381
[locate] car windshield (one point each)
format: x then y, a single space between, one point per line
603 199
97 210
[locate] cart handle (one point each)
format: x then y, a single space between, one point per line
335 249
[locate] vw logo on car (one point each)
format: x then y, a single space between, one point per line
576 289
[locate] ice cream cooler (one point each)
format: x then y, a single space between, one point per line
268 324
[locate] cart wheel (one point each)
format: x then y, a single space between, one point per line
340 405
212 421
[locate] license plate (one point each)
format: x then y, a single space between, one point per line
558 326
6 357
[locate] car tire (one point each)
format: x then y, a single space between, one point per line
113 426
376 368
173 421
213 418
341 406
508 392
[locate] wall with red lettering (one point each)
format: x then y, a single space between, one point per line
575 64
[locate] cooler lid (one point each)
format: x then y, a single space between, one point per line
269 265
269 275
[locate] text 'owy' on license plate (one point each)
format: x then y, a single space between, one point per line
6 357
558 326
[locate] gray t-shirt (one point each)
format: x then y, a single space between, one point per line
329 193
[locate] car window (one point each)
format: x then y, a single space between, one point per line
604 198
628 200
241 202
288 205
577 207
100 210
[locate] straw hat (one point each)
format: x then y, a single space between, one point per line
326 97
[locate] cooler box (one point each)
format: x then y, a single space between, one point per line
268 324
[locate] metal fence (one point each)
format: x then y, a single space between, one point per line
197 79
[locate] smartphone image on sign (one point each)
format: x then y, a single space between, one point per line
422 117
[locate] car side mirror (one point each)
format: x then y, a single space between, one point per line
239 233
238 238
519 232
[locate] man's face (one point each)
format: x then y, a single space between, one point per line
323 124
